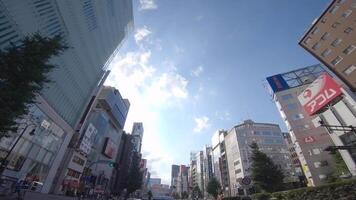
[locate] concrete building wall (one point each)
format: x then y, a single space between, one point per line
270 141
332 40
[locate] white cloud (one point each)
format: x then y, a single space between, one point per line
201 123
142 34
147 5
148 90
197 71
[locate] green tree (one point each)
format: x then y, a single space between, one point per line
196 193
213 187
135 175
340 168
24 72
265 174
184 195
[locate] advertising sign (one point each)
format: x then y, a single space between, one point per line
319 93
277 83
309 139
109 148
85 145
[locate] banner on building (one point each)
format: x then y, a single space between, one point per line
319 93
109 148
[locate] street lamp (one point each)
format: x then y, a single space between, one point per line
4 161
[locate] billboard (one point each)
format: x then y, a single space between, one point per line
109 148
86 143
277 83
319 93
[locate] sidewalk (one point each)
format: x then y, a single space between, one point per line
39 196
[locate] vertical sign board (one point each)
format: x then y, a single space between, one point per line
109 149
277 83
319 93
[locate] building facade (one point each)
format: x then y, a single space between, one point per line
137 133
82 24
332 40
309 141
270 141
174 174
219 160
334 108
98 146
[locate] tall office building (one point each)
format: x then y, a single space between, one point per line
174 174
219 160
137 133
332 40
99 143
94 30
207 166
200 171
192 176
268 137
309 141
182 181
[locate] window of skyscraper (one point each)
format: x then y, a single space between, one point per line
334 9
349 49
292 106
325 36
326 52
348 30
350 69
347 13
336 60
286 97
336 42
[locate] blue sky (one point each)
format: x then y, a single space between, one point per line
192 67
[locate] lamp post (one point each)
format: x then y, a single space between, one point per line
4 161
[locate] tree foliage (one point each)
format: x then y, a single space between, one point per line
135 175
24 72
196 192
265 174
213 187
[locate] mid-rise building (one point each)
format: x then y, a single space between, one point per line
297 167
207 166
155 181
333 107
192 176
309 141
219 160
94 30
174 174
137 133
182 181
332 40
98 146
270 140
124 160
199 178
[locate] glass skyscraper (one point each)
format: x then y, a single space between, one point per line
94 30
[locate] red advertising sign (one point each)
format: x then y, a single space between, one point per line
321 92
309 139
